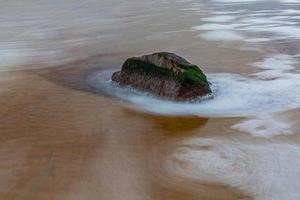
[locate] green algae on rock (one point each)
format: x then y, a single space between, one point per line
164 74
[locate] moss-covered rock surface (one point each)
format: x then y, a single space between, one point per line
164 74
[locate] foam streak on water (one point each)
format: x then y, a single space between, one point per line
267 25
267 171
264 125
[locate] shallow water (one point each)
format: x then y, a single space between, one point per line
67 132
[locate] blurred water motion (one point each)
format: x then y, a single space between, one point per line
61 138
53 32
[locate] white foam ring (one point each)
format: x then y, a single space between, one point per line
274 89
267 171
234 95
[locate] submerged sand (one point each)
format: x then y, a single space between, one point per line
63 143
64 137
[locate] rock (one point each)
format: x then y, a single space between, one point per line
164 74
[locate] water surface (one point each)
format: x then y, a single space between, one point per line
68 133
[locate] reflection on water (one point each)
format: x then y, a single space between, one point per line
179 125
63 136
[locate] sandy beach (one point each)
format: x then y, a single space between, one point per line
65 134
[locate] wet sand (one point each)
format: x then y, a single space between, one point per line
62 143
63 138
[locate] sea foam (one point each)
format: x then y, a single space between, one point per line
234 95
264 125
251 25
266 171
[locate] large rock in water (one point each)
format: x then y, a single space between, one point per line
164 74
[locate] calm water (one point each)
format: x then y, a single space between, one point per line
68 133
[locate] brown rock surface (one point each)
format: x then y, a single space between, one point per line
164 74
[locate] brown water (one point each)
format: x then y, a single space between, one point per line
62 138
